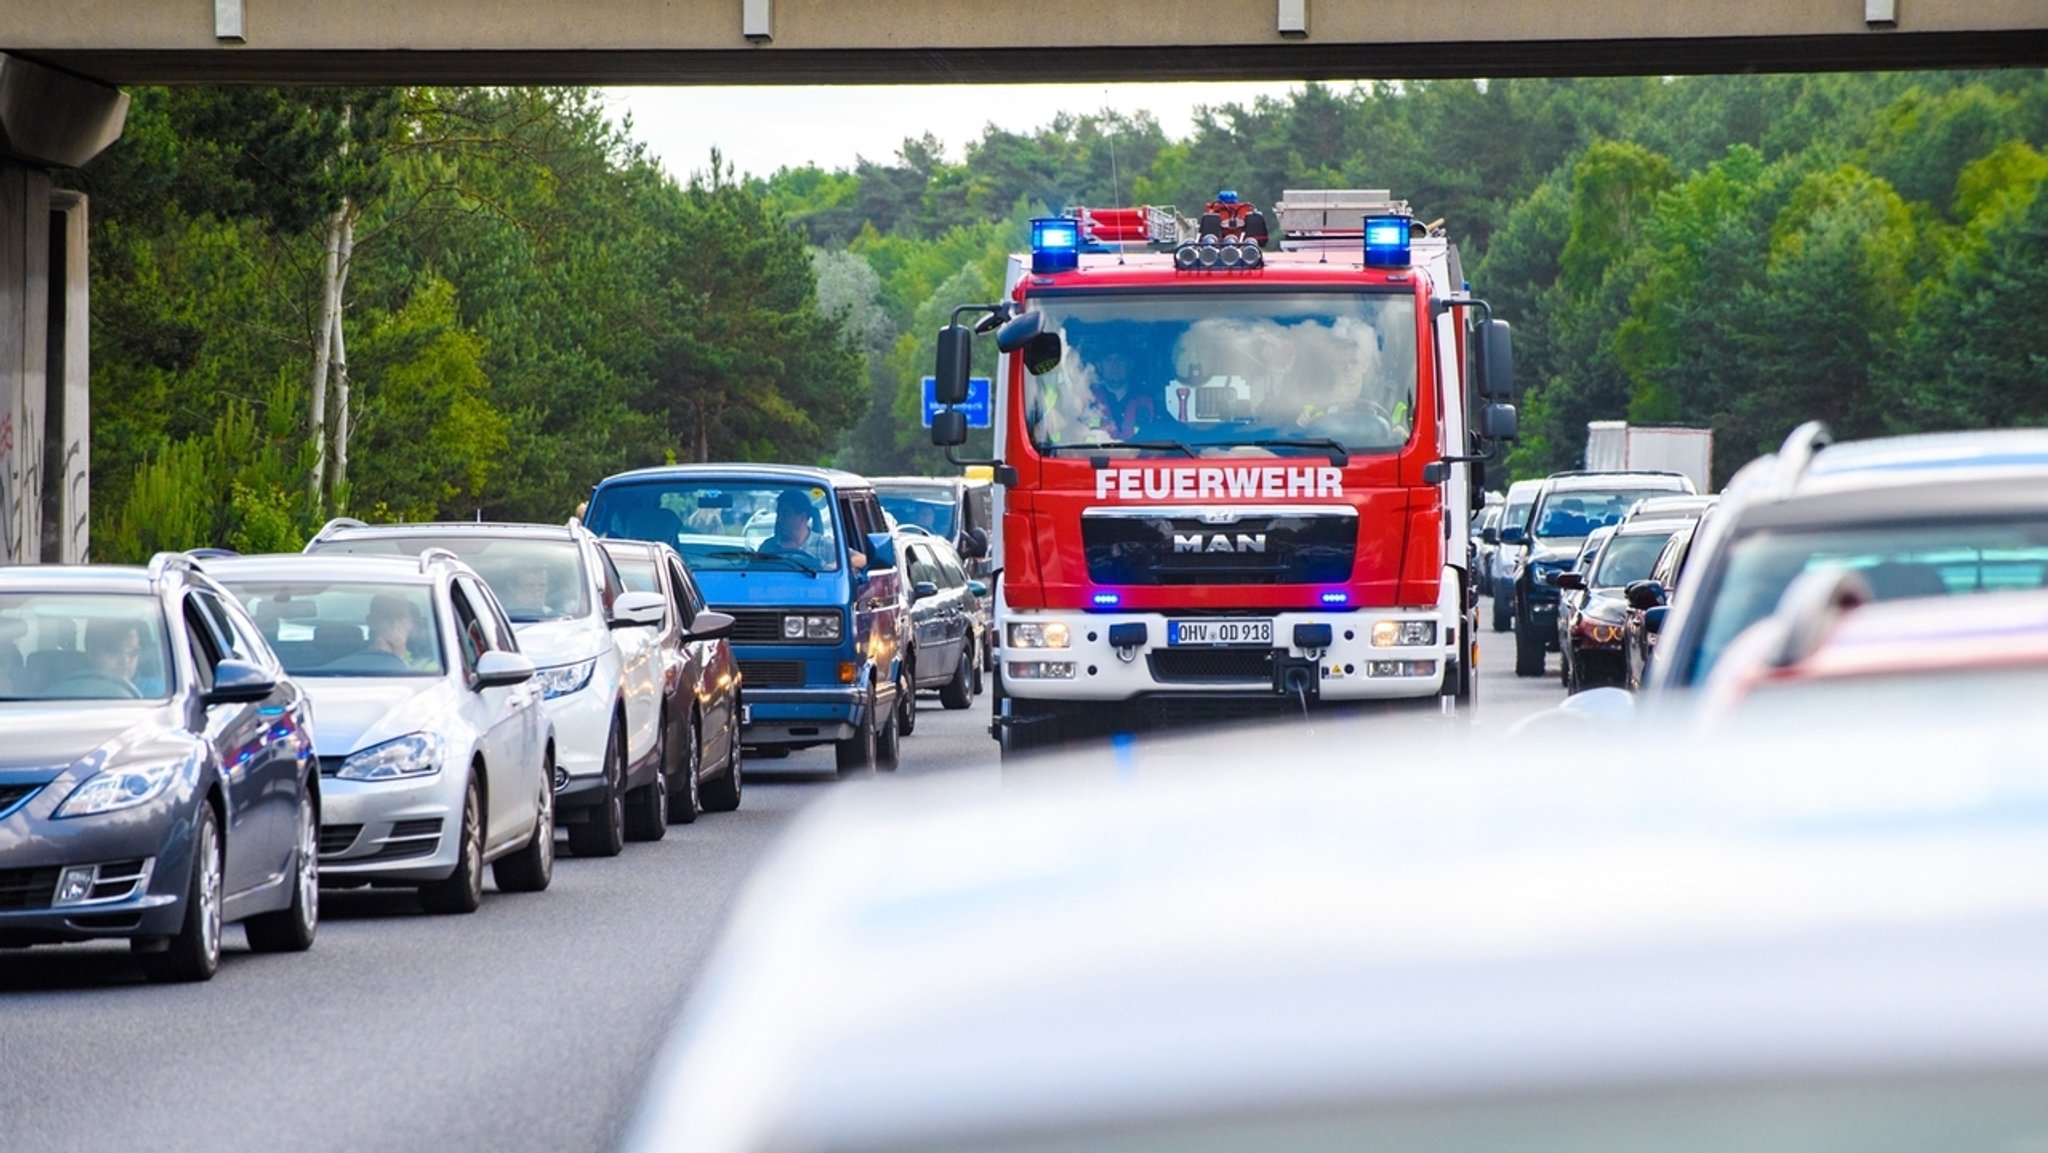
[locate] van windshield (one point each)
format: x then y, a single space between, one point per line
930 509
726 524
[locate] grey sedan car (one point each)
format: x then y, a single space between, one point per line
157 775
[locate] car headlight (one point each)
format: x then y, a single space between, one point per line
812 627
1040 635
111 789
561 680
413 755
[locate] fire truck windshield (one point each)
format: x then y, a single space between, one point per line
1236 373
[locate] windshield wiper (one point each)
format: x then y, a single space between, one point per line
749 555
1339 455
1147 445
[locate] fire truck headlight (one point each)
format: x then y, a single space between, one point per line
1398 634
1187 257
1040 635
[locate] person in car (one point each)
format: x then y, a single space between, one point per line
796 523
113 650
524 593
390 623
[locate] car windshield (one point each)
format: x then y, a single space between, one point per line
1573 513
83 647
726 524
1898 561
1516 515
931 509
1627 558
347 629
535 578
1240 374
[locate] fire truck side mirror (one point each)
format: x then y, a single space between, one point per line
956 356
1017 332
949 427
1499 422
1497 371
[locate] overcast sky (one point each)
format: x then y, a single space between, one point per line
762 129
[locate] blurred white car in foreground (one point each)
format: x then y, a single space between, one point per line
1805 943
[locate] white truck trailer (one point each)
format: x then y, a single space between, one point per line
1613 445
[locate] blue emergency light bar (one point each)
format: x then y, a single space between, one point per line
1055 244
1106 600
1336 598
1386 242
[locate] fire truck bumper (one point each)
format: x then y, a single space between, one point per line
1326 656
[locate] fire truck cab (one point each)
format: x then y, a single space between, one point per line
1234 474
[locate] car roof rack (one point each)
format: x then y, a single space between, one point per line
339 522
435 554
1796 455
164 562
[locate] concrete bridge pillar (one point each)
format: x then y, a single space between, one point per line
48 119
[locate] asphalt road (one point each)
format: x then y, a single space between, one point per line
526 1026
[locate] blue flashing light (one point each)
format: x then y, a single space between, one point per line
1055 244
1106 600
1227 196
1336 598
1386 242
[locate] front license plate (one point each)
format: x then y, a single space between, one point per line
1220 632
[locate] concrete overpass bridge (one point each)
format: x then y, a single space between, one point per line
62 62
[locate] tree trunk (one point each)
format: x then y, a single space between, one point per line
323 349
341 397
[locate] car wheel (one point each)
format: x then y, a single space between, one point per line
291 929
906 697
463 891
722 794
603 833
684 804
1529 648
194 954
532 869
975 660
889 742
855 756
1503 613
958 693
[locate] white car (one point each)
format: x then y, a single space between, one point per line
598 672
1824 940
436 757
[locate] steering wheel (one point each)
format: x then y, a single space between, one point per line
86 679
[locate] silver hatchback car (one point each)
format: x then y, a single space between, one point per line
436 756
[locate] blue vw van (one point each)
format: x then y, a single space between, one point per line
803 561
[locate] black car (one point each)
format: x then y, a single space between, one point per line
1568 507
1647 601
960 512
700 682
1594 632
944 621
157 773
1944 514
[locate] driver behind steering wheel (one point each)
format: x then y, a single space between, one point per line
113 651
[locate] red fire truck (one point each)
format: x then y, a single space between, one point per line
1236 462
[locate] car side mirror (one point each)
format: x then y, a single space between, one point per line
1653 618
1490 535
974 543
711 626
638 610
978 588
1572 580
1644 595
239 683
1514 534
498 669
921 590
881 550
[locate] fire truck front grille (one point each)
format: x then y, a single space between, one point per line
1188 546
1212 666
